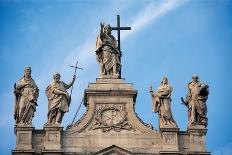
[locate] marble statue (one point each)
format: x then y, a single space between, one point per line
58 99
26 94
196 102
108 55
161 104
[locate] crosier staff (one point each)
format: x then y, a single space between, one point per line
75 70
76 67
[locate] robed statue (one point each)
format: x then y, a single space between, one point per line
26 94
58 99
108 55
161 104
196 102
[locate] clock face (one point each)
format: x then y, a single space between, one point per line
112 116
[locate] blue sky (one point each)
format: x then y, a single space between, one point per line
173 38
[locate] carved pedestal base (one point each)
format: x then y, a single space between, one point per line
109 76
24 140
169 140
197 139
52 143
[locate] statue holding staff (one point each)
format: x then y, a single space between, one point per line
58 99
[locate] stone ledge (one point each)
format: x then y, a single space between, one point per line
110 86
22 152
170 129
52 127
52 152
23 128
110 80
198 153
197 130
170 152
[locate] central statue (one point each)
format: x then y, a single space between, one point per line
108 54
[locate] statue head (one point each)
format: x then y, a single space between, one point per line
107 29
56 77
195 78
164 80
27 72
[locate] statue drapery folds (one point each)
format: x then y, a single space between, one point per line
161 104
196 102
58 99
26 94
108 55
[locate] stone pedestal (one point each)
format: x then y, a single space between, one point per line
110 126
169 140
197 140
23 140
52 140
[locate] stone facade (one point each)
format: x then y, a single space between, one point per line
110 126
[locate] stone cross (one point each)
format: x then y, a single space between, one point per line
118 28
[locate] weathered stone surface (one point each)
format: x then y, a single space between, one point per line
26 94
22 152
111 126
52 139
161 104
197 138
58 99
108 54
23 140
196 102
170 139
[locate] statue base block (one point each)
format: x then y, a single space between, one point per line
169 140
24 137
197 138
52 140
109 76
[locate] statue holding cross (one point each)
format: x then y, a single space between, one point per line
58 98
108 51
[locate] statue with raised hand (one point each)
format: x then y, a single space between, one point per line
26 94
161 104
107 52
58 99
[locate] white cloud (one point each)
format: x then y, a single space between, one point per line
84 52
151 13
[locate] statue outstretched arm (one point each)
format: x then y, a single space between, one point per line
153 94
70 84
101 30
